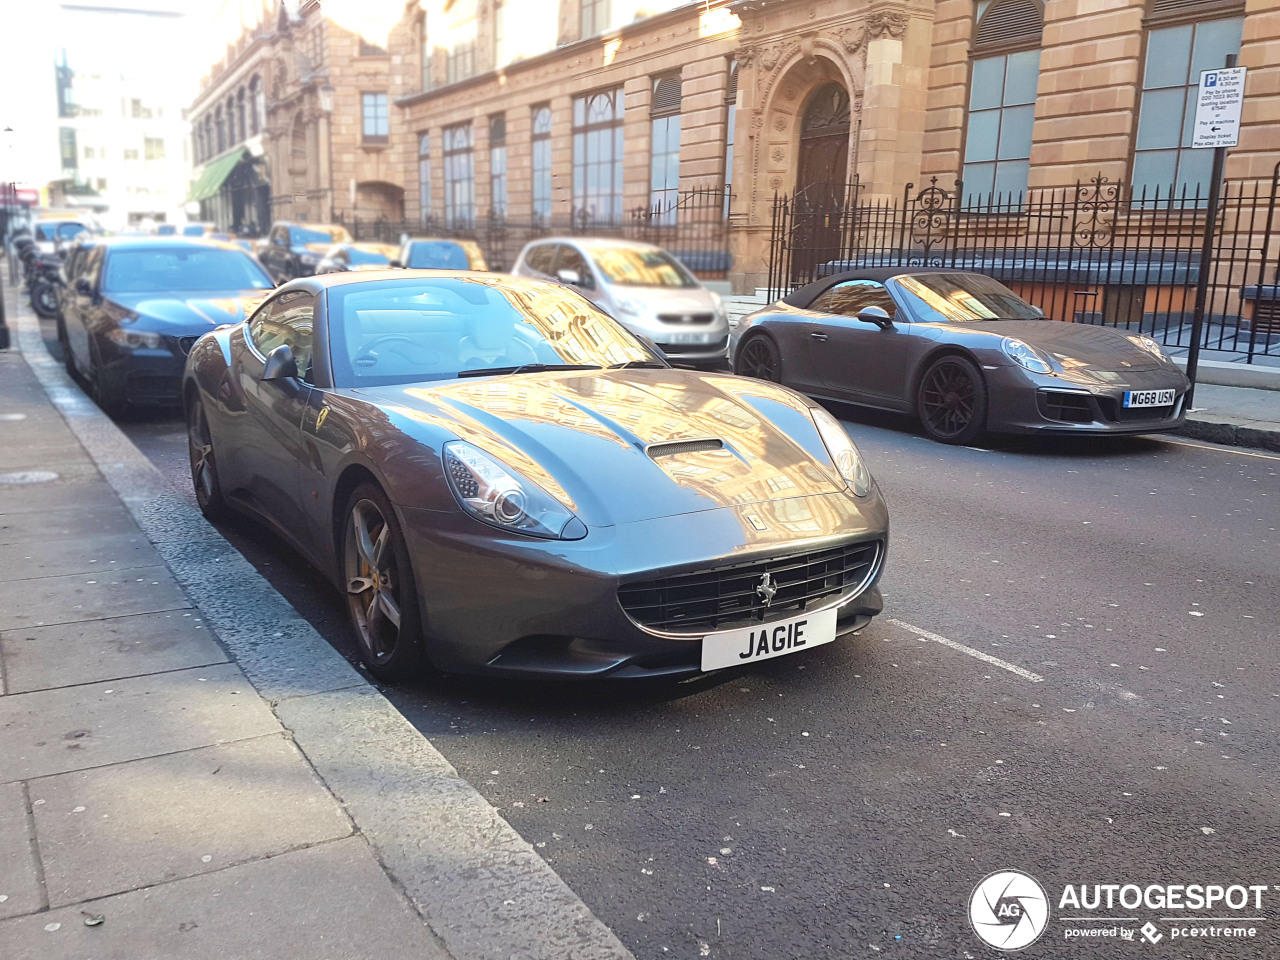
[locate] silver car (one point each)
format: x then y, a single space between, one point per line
643 287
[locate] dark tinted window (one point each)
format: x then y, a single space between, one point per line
288 319
963 297
186 268
437 255
541 258
848 298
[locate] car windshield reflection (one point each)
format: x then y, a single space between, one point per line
192 269
404 331
964 298
629 267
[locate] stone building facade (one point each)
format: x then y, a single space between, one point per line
297 123
806 96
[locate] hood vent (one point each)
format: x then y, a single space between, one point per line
656 450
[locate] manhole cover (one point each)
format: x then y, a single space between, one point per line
27 476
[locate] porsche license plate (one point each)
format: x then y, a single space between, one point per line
768 640
1149 398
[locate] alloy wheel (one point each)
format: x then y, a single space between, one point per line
373 582
948 399
200 450
759 359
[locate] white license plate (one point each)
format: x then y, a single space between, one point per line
689 337
768 640
1149 398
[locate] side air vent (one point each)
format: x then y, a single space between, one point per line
656 450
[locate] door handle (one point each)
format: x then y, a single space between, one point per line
818 336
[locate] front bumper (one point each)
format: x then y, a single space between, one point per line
144 377
526 608
1024 402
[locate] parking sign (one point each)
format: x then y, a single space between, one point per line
1218 107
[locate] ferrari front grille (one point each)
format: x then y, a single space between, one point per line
740 594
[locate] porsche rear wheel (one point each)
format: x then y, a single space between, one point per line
204 466
759 358
382 600
952 401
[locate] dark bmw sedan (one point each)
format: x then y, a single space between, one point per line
500 478
136 306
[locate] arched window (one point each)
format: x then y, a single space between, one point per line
1002 100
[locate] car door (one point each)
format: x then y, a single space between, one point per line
270 441
858 359
79 307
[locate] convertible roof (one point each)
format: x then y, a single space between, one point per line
810 292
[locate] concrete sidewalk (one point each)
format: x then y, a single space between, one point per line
187 770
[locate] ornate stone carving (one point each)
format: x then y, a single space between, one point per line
852 38
757 122
778 154
780 124
747 56
888 23
775 183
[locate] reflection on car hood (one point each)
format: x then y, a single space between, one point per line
192 313
584 437
1077 346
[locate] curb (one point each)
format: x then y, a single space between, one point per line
477 884
1230 434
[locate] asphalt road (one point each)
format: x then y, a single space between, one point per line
845 802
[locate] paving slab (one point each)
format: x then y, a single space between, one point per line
88 596
48 558
73 489
330 902
131 825
39 658
75 728
19 881
42 455
79 525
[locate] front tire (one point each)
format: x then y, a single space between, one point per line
952 401
204 466
759 358
382 597
44 300
113 404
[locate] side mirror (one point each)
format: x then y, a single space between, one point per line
1039 312
877 315
570 276
396 265
280 364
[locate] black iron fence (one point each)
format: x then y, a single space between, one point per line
1099 252
694 226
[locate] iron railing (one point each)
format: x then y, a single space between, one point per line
1100 252
694 226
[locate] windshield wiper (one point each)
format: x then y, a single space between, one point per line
637 364
527 368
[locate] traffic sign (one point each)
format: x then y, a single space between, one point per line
1218 108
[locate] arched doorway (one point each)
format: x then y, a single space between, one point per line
823 170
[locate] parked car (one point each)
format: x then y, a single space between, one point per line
357 256
136 307
435 253
962 352
501 479
296 249
199 229
643 287
53 236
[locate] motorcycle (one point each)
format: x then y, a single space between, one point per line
44 279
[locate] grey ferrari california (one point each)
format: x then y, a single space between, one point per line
500 478
962 352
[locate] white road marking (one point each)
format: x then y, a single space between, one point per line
978 654
1218 448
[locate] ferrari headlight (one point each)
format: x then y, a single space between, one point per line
134 339
1025 355
843 452
1150 346
494 493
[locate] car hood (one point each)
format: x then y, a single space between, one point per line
192 313
1076 346
593 439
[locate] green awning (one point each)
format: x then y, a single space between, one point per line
215 174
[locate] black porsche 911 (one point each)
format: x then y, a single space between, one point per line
962 352
500 478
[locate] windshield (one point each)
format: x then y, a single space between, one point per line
404 331
437 255
629 267
360 257
301 236
194 268
964 297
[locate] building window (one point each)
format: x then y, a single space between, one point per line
130 153
462 61
67 144
255 111
541 163
1163 160
664 154
498 167
424 176
153 148
221 128
499 32
730 125
1002 101
374 124
138 111
459 177
428 56
595 17
368 49
597 156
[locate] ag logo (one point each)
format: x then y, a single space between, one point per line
1009 910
